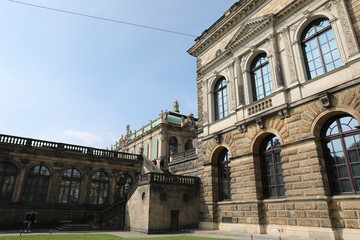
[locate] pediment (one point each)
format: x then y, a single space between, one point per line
249 28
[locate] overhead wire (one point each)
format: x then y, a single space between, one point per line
105 19
139 25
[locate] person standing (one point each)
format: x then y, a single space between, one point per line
31 219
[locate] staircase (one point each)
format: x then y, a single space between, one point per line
115 210
75 227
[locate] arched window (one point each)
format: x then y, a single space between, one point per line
224 171
220 99
99 189
189 145
37 184
8 173
271 168
341 146
261 81
173 145
123 186
70 186
320 49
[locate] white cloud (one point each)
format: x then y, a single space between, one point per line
86 138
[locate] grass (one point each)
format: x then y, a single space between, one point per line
98 237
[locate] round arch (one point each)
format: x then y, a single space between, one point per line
320 120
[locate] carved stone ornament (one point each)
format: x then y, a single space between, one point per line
217 138
242 128
326 100
260 122
307 14
346 26
284 113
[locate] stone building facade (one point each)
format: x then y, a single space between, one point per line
162 138
61 183
279 113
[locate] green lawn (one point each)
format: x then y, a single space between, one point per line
97 237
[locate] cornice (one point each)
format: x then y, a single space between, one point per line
295 5
215 61
239 38
257 24
226 22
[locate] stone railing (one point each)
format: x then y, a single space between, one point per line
260 106
34 143
149 178
189 154
151 166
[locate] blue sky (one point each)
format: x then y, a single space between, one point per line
79 80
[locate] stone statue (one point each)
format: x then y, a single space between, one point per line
176 106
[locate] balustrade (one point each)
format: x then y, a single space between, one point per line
34 143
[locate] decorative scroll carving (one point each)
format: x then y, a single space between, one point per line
326 100
284 113
232 84
242 128
260 122
217 138
289 55
345 25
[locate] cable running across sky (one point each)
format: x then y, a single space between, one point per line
104 19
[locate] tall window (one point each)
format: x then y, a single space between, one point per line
224 171
146 150
37 184
189 145
99 188
154 149
341 146
271 168
261 77
220 98
123 186
320 48
8 174
173 145
70 186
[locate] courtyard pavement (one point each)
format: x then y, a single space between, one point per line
127 234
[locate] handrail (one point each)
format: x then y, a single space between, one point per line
151 166
35 143
166 178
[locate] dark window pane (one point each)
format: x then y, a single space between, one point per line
343 171
357 183
346 186
281 191
353 156
356 169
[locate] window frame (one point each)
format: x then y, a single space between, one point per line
334 169
173 145
222 102
96 187
316 37
253 69
39 189
224 178
69 188
269 170
6 196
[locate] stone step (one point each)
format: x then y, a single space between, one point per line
75 227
